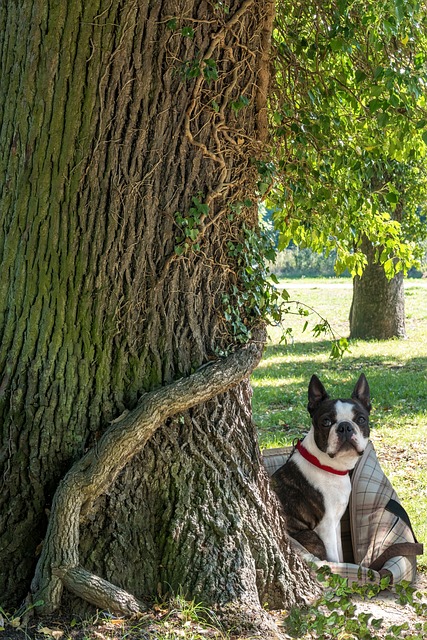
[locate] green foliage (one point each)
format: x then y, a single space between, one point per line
254 297
335 615
240 103
190 226
187 32
210 70
349 118
295 262
15 619
222 6
194 68
191 69
266 172
174 619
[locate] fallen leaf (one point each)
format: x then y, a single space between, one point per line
53 633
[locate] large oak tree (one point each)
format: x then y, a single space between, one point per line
131 132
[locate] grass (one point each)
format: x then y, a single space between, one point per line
397 375
173 620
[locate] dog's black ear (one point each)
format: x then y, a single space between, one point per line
361 392
316 394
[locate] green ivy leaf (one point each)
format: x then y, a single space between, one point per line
172 24
187 32
210 70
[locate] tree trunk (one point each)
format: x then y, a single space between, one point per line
202 517
124 141
378 305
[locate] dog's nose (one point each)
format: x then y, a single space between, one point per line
345 427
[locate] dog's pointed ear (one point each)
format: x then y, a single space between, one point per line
316 394
361 392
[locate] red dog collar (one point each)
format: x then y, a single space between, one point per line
313 460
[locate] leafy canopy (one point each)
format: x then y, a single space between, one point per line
349 118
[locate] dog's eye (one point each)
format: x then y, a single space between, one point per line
361 420
326 422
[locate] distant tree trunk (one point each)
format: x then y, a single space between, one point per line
378 305
124 141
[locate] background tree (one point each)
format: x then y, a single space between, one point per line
350 118
131 257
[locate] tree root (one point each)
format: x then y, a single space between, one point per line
98 591
89 477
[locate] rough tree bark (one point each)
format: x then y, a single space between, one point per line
115 116
378 305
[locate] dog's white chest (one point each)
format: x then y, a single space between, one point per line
336 496
335 490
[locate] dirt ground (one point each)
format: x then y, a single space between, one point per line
387 607
165 625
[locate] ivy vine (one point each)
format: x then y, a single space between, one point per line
257 296
190 226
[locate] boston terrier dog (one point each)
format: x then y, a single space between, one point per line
314 484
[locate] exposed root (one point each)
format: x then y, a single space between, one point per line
99 467
99 592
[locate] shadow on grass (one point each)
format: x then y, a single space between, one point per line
347 363
303 349
398 387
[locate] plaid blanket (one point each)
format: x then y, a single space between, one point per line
377 535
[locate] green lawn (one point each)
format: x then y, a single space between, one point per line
397 375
